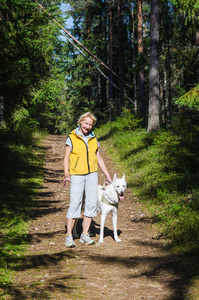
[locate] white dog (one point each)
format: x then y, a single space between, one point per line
108 200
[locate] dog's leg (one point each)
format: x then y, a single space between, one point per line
102 223
114 219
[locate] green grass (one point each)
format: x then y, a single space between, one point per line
21 175
163 171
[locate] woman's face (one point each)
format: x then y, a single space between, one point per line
86 125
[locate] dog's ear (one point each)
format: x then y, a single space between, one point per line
114 177
123 177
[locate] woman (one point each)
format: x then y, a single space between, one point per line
81 161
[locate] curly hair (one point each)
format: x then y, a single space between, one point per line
85 115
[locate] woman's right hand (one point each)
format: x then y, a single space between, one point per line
66 179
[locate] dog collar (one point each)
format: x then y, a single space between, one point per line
107 202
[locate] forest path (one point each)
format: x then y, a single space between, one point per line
137 268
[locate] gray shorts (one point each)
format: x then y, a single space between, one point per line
79 184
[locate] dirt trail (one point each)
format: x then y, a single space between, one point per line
137 268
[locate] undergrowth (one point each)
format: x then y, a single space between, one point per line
21 175
163 170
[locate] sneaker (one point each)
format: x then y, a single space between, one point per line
85 238
69 241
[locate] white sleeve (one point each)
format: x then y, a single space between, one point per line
97 143
68 142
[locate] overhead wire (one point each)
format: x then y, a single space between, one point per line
88 51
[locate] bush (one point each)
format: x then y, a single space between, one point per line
23 125
128 121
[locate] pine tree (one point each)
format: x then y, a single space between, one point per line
153 118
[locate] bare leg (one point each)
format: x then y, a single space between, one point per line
70 224
86 223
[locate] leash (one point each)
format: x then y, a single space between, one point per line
104 185
109 182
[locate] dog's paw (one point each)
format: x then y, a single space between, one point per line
117 240
100 241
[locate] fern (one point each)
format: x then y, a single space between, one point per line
190 99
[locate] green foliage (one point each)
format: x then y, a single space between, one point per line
169 148
187 4
34 59
179 215
50 102
188 8
23 125
128 121
21 175
162 170
27 53
190 99
185 124
77 83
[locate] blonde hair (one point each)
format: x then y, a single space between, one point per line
89 115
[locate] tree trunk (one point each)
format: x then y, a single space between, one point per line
197 58
120 53
110 28
168 61
89 66
154 110
141 80
134 75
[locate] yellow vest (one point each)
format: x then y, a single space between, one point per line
83 158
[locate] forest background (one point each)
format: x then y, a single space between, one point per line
135 64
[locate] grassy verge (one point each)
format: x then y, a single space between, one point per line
21 175
162 169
